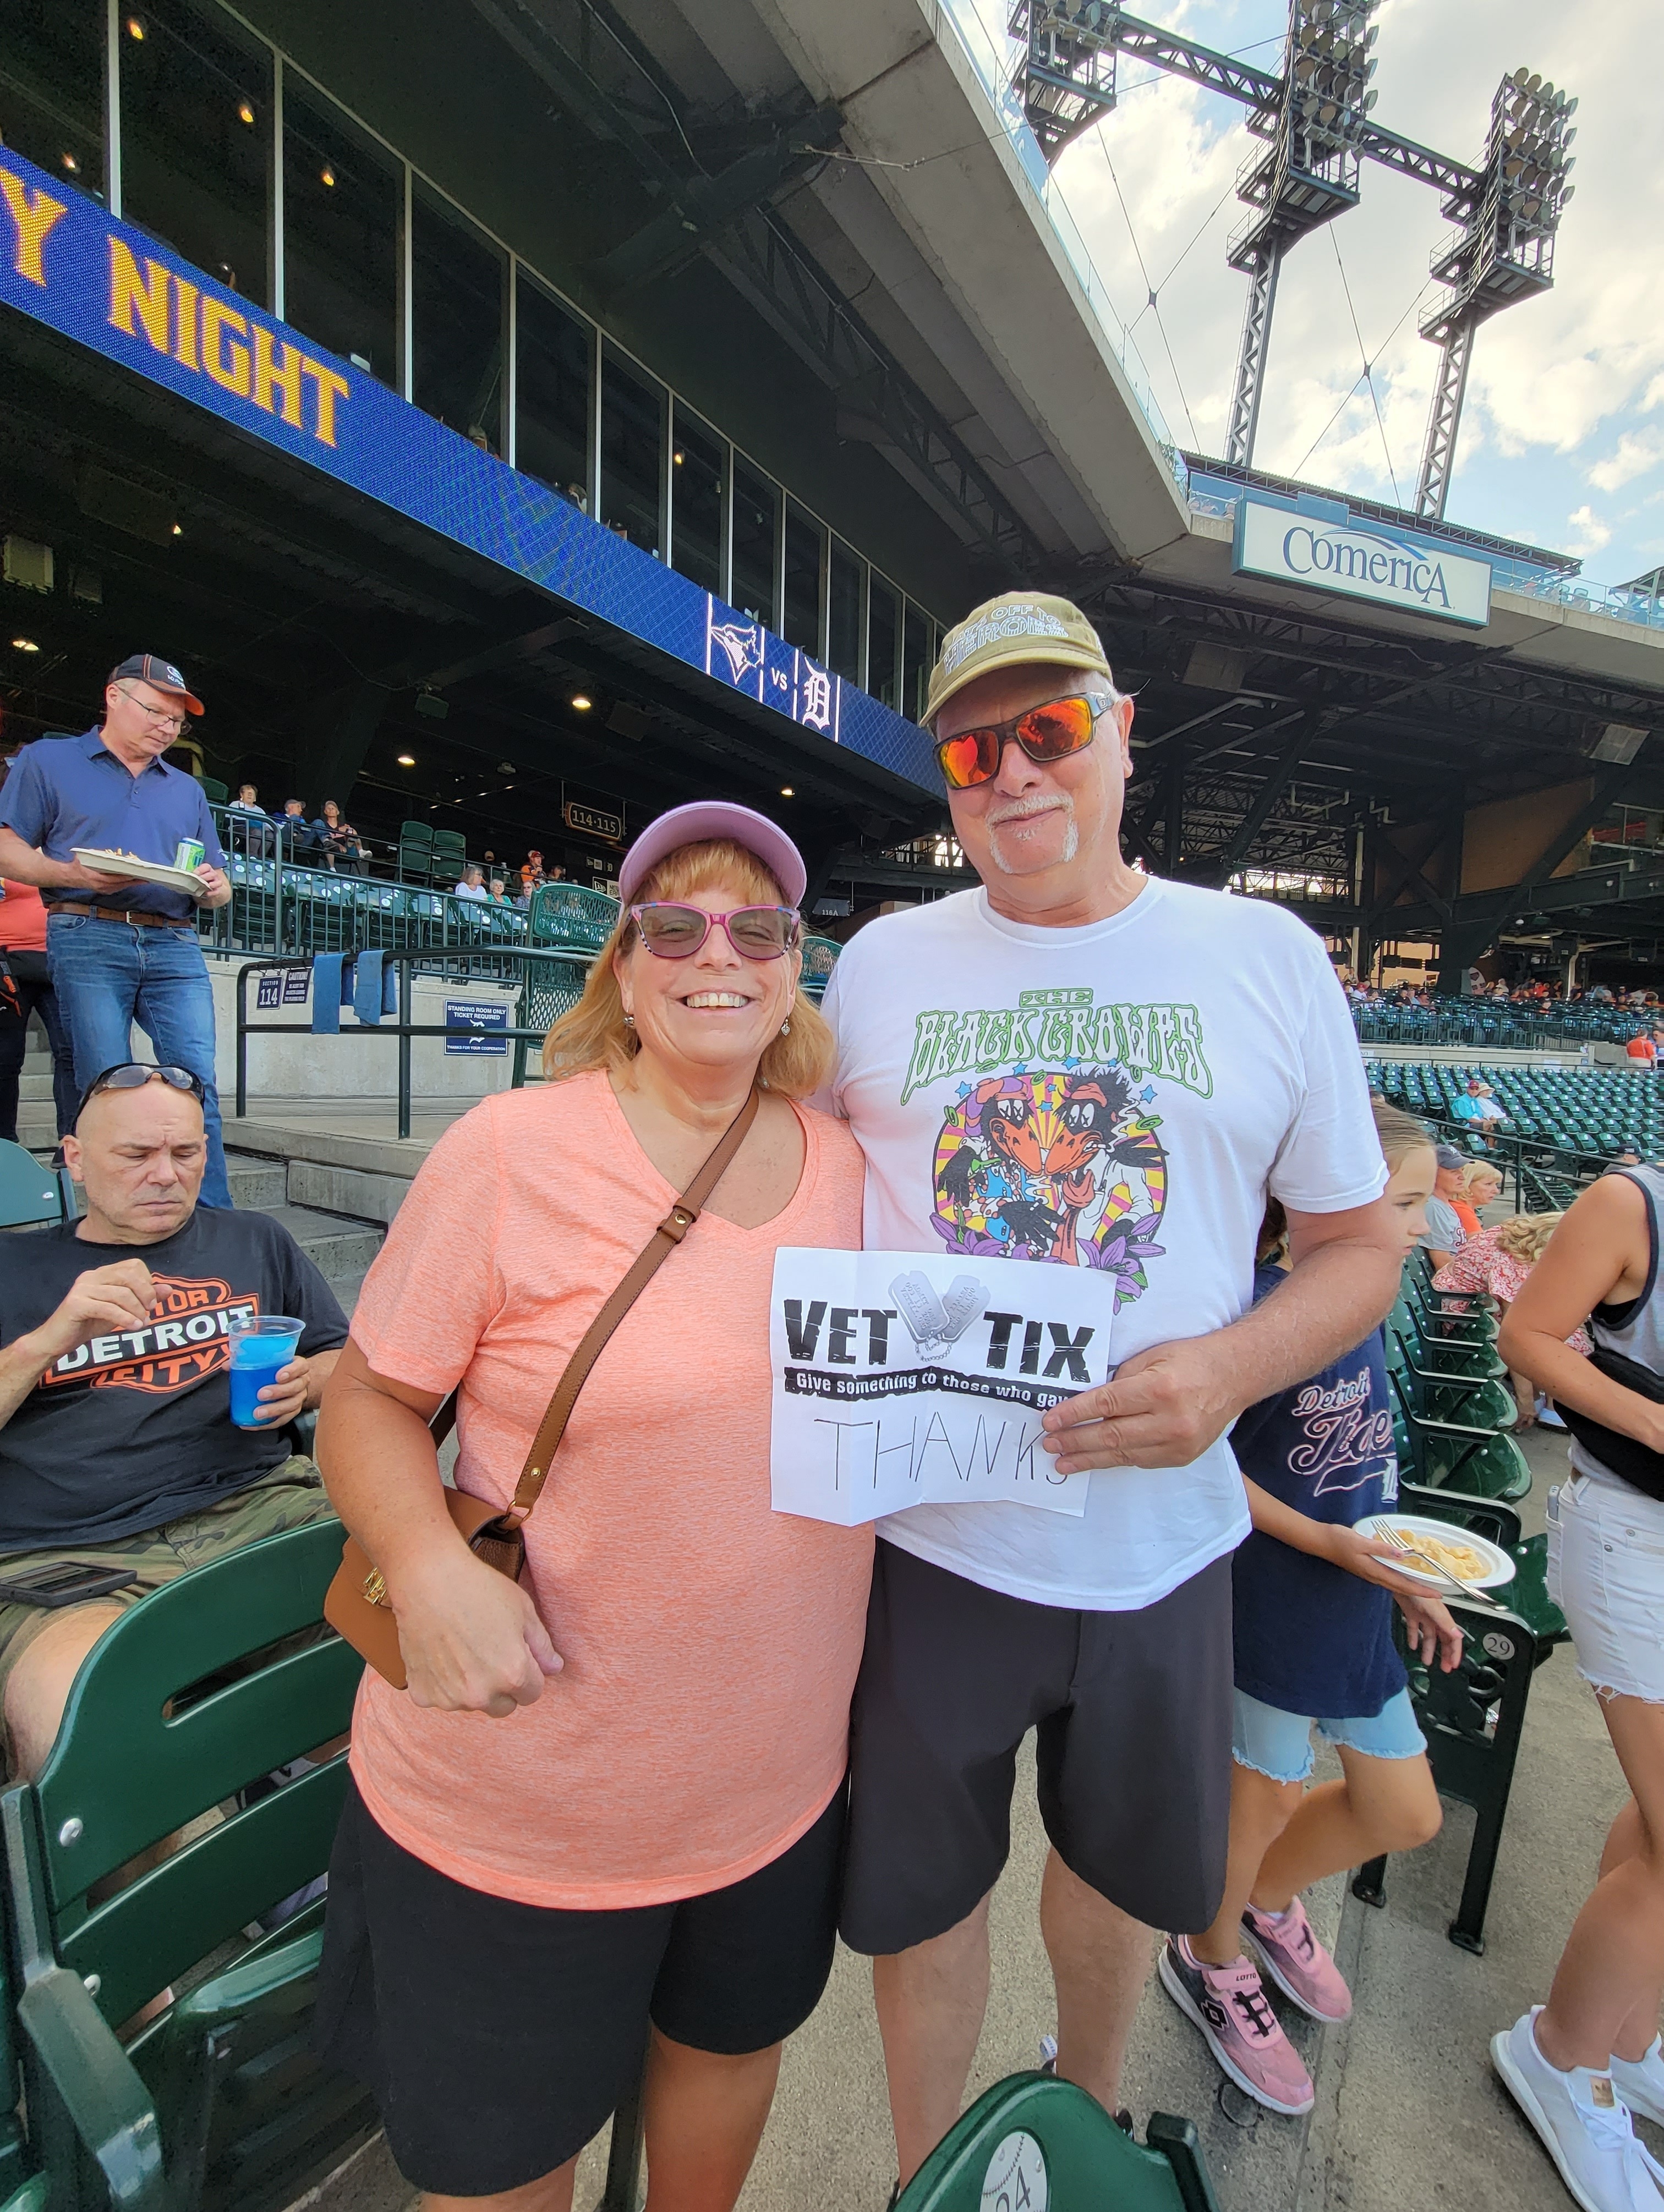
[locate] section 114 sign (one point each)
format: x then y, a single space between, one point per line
902 1379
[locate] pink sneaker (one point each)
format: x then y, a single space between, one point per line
1239 2027
1298 1963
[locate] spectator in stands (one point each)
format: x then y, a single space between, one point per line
1313 1627
1111 1632
1479 1184
25 989
1477 1106
473 884
1642 1049
121 951
117 1450
530 875
299 835
657 1835
1443 1237
557 874
1582 2063
252 827
1497 1262
1598 995
498 894
342 846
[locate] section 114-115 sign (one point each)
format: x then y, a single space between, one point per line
592 821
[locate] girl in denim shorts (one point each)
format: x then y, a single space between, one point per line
1314 1635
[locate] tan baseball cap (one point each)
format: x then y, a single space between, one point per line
1016 628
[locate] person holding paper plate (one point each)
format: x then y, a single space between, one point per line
1082 1067
643 1849
121 943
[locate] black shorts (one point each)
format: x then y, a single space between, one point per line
498 2037
1133 1711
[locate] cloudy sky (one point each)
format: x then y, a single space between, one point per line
1561 441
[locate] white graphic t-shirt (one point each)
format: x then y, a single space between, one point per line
1121 1097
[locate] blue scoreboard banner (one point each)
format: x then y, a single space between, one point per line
68 264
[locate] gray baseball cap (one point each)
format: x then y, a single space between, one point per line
1449 1157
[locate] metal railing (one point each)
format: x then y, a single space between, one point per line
287 907
1473 1023
550 982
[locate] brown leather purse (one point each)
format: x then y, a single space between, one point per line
355 1604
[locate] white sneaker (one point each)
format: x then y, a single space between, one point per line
1640 2082
1584 2125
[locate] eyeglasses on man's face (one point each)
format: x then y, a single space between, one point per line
1047 734
159 715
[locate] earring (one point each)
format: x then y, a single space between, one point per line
630 1021
785 1029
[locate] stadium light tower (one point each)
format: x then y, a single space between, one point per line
1504 251
1307 176
1316 119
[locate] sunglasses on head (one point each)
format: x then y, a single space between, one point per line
676 932
134 1074
1047 734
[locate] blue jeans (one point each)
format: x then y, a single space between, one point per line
109 975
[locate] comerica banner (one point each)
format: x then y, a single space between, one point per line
67 264
1360 561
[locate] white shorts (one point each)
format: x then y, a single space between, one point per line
1605 1572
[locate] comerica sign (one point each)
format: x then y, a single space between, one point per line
1360 562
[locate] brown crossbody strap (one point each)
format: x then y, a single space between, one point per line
659 1247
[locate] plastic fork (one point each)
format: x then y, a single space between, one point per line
1395 1540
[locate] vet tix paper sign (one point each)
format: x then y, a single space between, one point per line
902 1379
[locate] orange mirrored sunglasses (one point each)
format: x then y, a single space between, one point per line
1046 733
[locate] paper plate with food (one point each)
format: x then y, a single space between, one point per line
1472 1559
110 863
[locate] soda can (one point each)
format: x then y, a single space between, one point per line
189 855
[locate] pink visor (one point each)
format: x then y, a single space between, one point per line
701 824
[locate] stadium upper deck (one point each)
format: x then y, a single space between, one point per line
783 296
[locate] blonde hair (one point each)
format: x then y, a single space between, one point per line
1525 1235
1397 1133
594 1033
1480 1171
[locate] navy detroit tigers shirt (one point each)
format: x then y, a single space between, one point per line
1310 1638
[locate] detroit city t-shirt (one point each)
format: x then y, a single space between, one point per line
133 1428
1121 1097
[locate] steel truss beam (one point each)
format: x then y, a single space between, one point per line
1250 361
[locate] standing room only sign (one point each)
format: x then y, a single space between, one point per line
902 1379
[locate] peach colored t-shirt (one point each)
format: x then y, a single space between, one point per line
699 1727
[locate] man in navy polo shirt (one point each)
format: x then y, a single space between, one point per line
121 951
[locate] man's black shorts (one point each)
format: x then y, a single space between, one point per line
1133 1711
497 2037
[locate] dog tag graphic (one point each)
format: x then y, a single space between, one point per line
966 1302
921 1309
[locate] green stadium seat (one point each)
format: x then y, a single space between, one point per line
31 1197
415 852
193 1699
1032 2141
1472 1718
450 857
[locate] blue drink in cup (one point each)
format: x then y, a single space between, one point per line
260 1344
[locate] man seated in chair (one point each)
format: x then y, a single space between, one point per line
117 1448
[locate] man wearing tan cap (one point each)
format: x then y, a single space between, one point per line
1080 1065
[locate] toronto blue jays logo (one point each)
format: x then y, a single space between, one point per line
740 645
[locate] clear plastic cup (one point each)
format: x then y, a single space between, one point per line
260 1344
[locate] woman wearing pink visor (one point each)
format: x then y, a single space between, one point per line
642 1851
